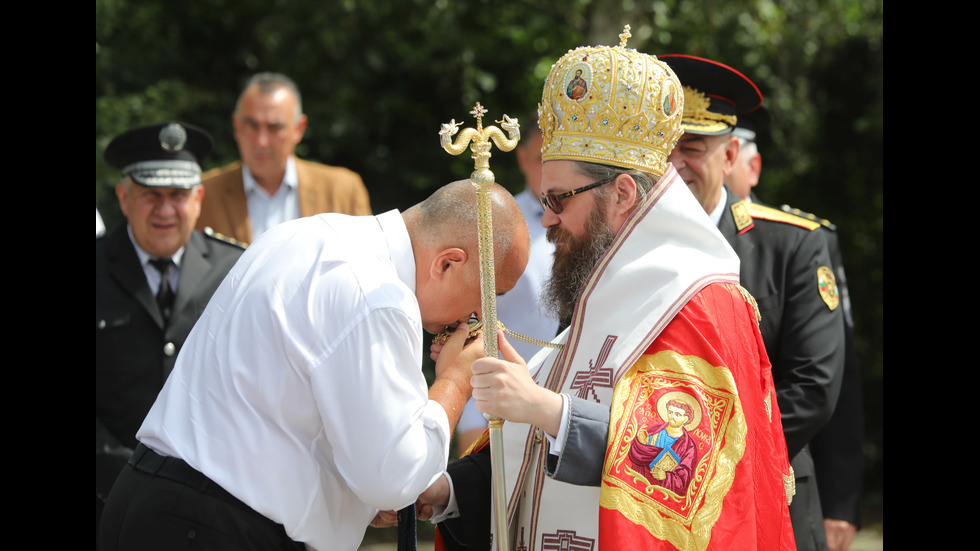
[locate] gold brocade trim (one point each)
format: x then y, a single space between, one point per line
769 213
478 443
768 402
789 484
751 300
683 520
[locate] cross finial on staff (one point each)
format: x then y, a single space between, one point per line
480 138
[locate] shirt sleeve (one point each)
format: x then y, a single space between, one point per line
584 451
388 440
808 358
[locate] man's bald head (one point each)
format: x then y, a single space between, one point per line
449 218
445 243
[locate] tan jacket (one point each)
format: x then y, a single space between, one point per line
321 189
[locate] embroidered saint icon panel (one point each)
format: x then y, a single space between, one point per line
676 435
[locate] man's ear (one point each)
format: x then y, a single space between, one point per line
447 262
121 194
755 165
301 128
624 194
731 154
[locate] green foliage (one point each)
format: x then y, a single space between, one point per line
379 76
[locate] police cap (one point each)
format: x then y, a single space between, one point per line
714 94
166 154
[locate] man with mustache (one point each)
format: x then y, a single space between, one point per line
649 287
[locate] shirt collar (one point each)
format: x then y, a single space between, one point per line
289 178
399 246
145 256
720 207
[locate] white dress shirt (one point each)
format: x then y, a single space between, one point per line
300 389
266 211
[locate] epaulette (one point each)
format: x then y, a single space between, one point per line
823 221
762 212
223 238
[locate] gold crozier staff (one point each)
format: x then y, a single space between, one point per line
479 142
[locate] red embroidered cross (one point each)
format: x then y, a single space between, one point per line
566 540
586 381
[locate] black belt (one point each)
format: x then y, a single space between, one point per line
171 468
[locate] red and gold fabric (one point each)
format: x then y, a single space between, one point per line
733 497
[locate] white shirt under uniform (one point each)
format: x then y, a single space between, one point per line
300 390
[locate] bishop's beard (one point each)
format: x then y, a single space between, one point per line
574 261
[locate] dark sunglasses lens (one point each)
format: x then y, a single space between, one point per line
554 203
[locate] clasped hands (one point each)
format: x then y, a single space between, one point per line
501 387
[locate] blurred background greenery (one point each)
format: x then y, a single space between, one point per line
379 76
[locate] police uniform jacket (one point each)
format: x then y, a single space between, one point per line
135 349
780 257
804 336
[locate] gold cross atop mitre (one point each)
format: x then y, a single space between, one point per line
611 105
478 139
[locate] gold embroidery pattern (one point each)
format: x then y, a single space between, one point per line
740 212
751 300
789 484
629 117
685 520
697 116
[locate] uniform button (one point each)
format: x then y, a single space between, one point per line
191 534
169 349
101 324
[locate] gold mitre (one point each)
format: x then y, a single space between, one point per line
611 105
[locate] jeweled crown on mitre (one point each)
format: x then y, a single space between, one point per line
611 105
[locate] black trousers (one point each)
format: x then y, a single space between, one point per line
160 503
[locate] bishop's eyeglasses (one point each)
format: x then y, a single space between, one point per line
553 200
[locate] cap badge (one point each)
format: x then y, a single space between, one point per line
696 109
172 137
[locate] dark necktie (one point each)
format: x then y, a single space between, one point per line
165 295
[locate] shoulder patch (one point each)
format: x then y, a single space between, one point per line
763 212
823 221
743 220
827 286
223 238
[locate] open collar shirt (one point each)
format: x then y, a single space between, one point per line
266 211
300 389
